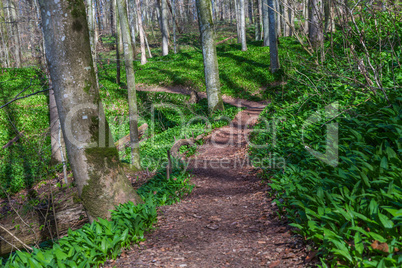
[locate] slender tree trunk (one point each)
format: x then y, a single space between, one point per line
273 44
290 17
285 18
15 33
90 9
94 160
4 36
265 22
250 11
242 25
132 95
164 28
315 23
55 137
257 15
306 15
117 37
211 71
132 18
141 32
174 26
237 8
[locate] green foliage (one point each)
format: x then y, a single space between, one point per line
94 243
27 160
352 212
242 74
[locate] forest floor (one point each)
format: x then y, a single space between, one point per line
228 220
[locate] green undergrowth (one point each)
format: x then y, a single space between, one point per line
26 161
242 74
169 117
94 243
341 185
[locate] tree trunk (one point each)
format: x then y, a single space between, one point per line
90 9
265 22
284 18
94 159
132 94
257 20
273 44
4 36
56 139
237 13
250 11
315 30
242 27
142 34
209 54
173 10
132 11
117 36
290 17
15 33
164 28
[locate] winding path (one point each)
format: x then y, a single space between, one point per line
228 220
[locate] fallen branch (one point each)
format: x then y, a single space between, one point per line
15 139
182 142
125 141
224 40
16 238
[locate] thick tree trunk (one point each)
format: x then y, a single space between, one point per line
265 22
209 54
94 159
242 27
164 28
315 23
132 94
273 44
142 34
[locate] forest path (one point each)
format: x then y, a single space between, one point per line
228 220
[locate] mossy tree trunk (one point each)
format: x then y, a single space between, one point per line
209 54
273 43
94 159
132 95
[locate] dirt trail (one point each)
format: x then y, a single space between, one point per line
228 220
